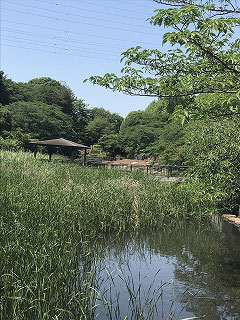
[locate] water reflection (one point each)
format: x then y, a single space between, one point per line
196 265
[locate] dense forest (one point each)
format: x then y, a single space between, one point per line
44 108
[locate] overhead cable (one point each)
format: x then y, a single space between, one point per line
57 52
66 40
37 42
73 14
105 6
78 22
73 32
89 10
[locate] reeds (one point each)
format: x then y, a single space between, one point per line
48 212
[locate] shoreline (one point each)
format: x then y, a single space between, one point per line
232 219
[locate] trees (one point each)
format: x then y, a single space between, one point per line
7 88
60 113
205 57
46 90
202 64
113 118
52 92
167 148
111 143
138 131
81 117
212 149
38 119
4 97
136 139
102 122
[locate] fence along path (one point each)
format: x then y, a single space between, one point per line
135 164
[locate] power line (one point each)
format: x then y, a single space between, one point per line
78 22
143 6
72 14
90 10
56 52
36 42
105 6
61 38
73 32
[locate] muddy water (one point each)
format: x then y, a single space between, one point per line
181 270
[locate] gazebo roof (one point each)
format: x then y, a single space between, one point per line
60 143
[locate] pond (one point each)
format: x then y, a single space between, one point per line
181 270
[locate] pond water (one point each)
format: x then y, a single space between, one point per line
181 270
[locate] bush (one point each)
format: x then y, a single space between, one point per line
10 144
213 151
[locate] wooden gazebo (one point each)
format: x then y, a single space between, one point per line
59 143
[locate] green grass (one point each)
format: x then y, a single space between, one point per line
49 211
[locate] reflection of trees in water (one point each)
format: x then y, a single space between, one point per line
208 262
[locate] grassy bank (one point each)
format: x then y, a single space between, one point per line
49 210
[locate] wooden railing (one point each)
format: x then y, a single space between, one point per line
163 170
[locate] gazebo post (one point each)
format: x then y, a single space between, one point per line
85 157
35 152
50 153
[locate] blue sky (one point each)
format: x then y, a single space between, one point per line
71 40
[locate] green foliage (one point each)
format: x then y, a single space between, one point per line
212 149
143 118
14 140
52 92
167 149
46 108
136 139
5 89
102 122
81 117
205 58
112 144
48 213
157 107
45 90
208 106
96 128
9 144
153 132
38 119
203 67
138 131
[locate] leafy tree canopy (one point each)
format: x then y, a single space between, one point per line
212 149
38 119
134 140
167 148
205 58
51 91
4 97
139 130
46 90
12 91
112 144
114 118
101 122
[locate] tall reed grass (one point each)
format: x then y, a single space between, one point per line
49 212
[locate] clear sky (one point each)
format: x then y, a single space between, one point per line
71 40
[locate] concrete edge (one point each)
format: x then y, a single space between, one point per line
232 219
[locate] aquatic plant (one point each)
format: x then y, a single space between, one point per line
49 212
